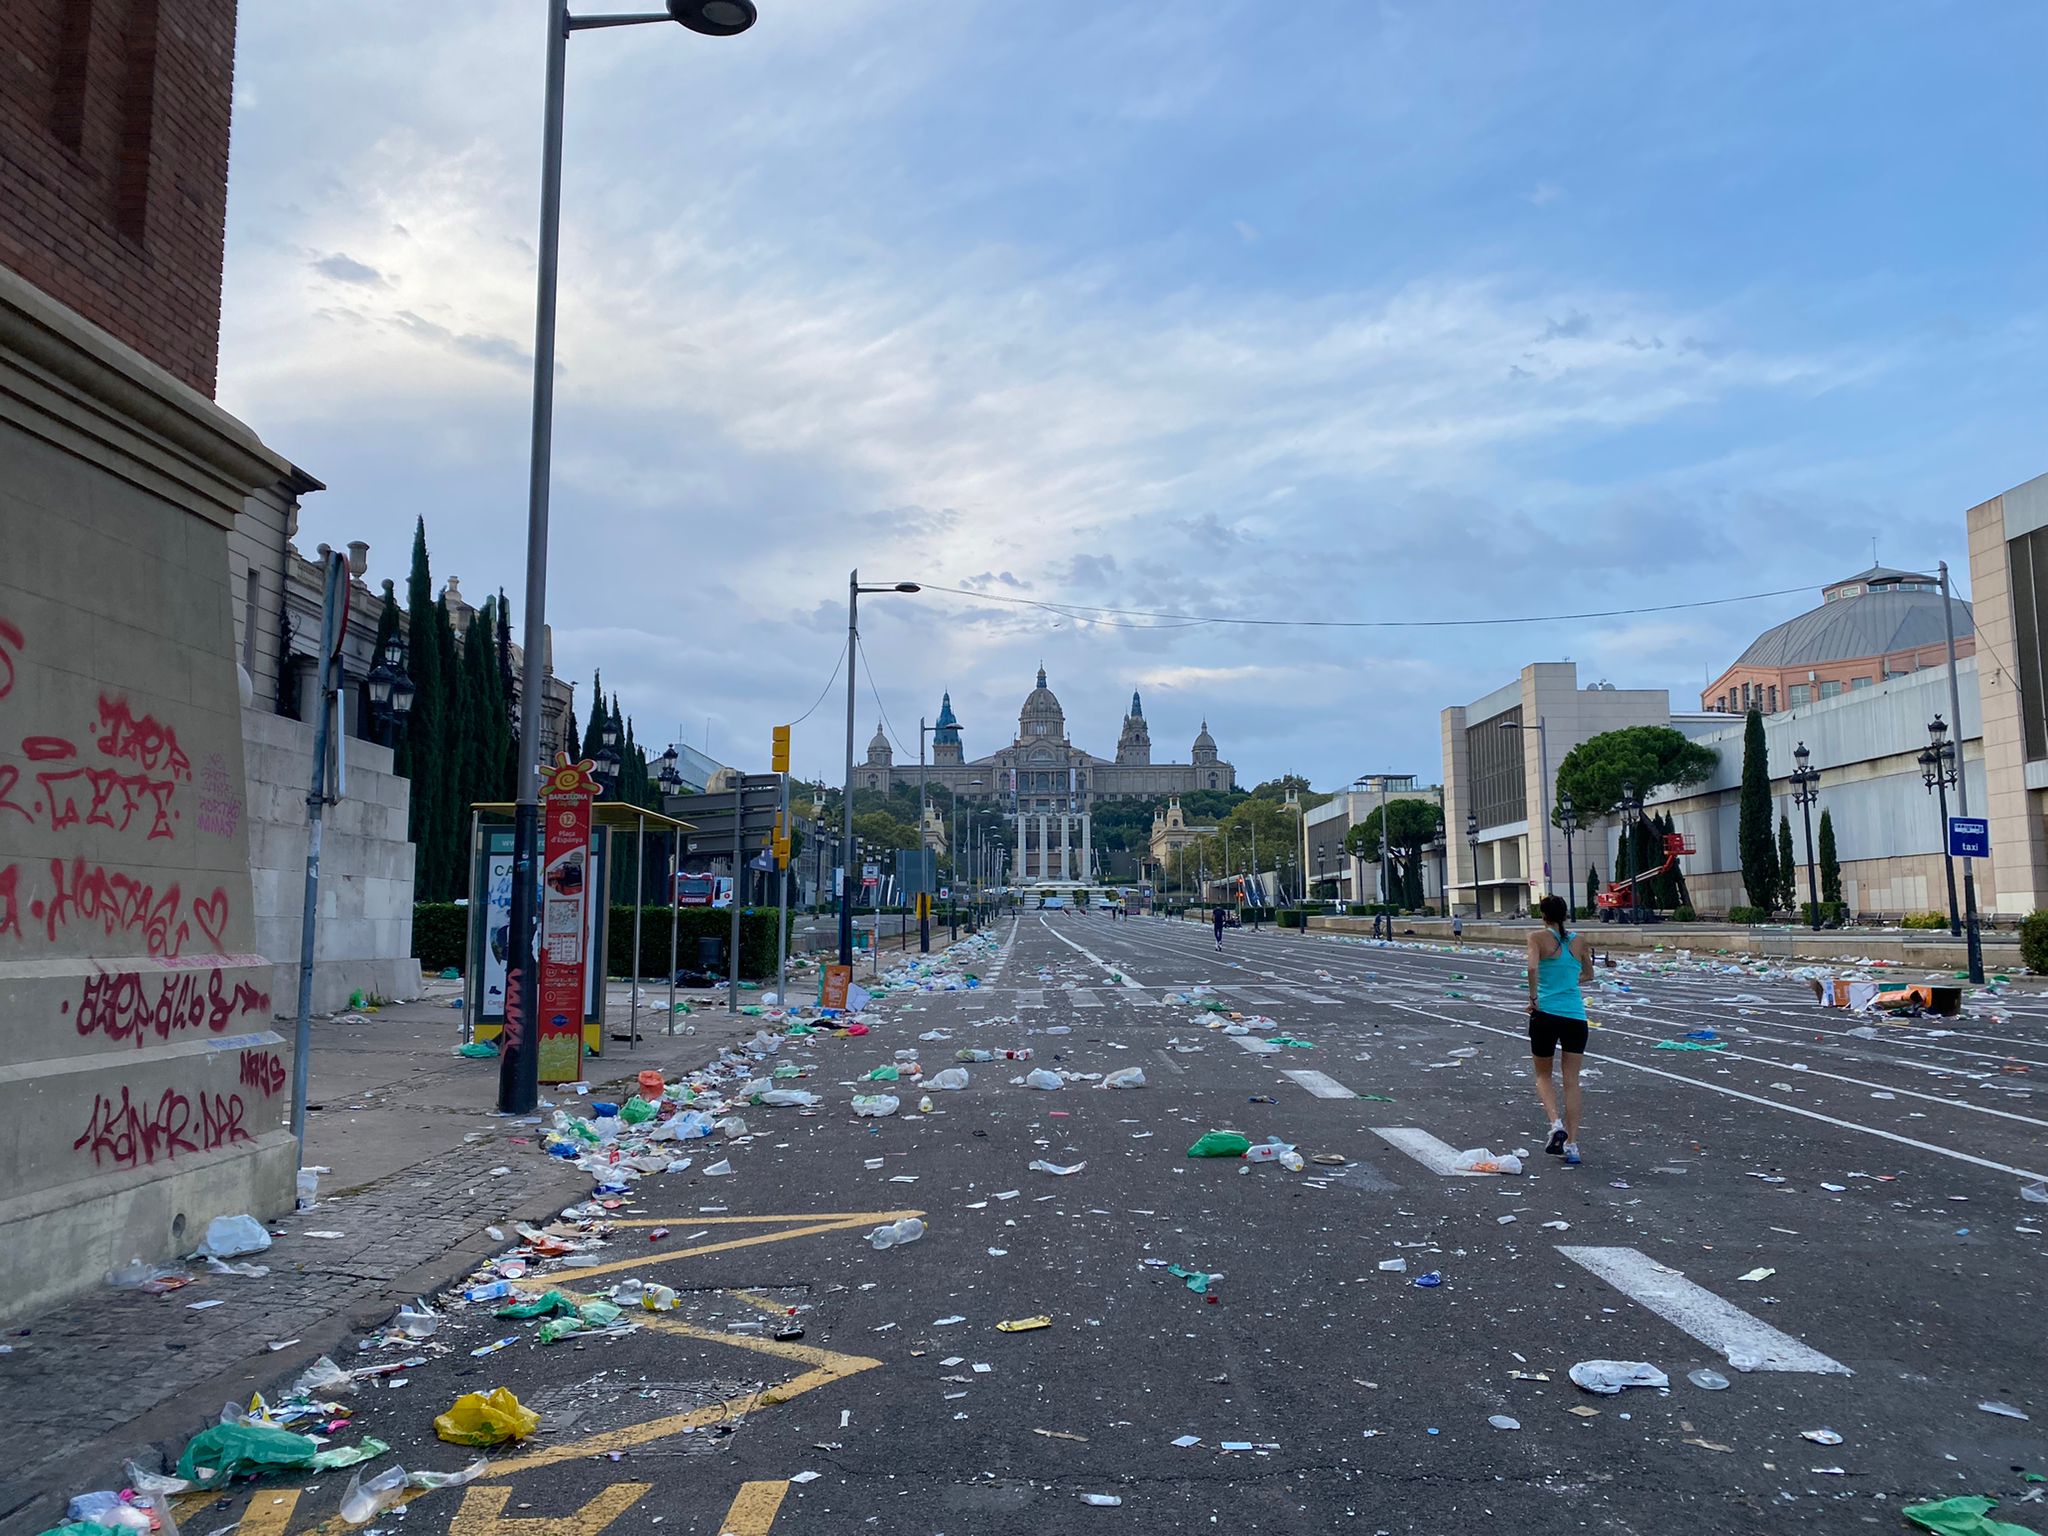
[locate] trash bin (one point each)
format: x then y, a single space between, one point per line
710 954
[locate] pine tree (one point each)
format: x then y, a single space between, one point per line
420 757
1788 866
1753 820
1830 862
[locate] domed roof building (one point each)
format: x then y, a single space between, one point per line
1876 624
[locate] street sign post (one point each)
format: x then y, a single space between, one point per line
1969 837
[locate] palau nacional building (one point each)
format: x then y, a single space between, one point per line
1048 782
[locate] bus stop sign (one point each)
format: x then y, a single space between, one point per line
1969 837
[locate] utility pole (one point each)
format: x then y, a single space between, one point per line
1973 938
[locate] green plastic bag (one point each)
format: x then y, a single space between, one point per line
544 1306
599 1314
636 1111
883 1075
224 1451
1964 1516
477 1050
787 1072
556 1329
1197 1280
1221 1144
348 1455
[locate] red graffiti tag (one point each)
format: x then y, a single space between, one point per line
9 777
129 1005
10 915
10 640
130 1134
115 798
146 740
118 903
263 1071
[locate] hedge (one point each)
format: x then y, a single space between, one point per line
1927 920
1748 915
2034 942
1835 912
440 931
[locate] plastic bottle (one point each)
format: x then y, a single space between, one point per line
1023 1055
897 1233
497 1290
1272 1150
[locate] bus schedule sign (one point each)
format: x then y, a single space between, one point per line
565 801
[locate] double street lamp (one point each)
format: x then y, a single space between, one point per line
1472 843
1940 771
391 688
1568 823
1631 818
1805 781
519 1063
854 589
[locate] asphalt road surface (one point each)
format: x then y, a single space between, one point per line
1840 1211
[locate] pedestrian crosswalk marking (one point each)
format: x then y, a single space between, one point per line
1086 1000
1437 1156
1143 1000
1030 997
1255 1044
1695 1310
1321 1084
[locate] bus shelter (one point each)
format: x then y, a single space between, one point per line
615 830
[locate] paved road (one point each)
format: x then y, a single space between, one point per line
1877 1179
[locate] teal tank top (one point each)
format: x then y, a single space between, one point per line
1557 983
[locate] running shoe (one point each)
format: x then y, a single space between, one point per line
1558 1138
1571 1154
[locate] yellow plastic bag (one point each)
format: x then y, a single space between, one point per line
479 1418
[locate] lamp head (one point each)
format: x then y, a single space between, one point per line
908 586
402 692
1937 730
1800 756
715 18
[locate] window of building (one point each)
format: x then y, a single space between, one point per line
1858 682
252 590
2028 559
1494 759
1774 698
1830 687
1800 693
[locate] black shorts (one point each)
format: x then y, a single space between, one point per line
1549 1031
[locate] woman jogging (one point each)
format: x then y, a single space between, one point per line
1560 964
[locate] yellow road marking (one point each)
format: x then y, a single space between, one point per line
269 1512
772 1308
753 1509
664 1256
483 1513
748 1221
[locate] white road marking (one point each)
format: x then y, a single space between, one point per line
1752 1098
1141 999
1083 999
1030 997
1695 1310
1327 1002
1254 1044
1114 971
1321 1084
1436 1156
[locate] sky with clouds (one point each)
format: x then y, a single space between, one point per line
1329 310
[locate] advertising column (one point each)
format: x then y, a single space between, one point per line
565 799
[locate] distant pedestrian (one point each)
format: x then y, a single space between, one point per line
1216 917
1457 925
1560 964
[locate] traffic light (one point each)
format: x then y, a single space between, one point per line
780 841
778 758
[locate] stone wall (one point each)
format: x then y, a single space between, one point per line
364 936
143 1089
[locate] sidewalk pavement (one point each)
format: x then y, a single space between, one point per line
422 1164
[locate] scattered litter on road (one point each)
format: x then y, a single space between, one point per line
1610 1377
486 1418
1821 1436
1430 1281
1965 1515
1040 1165
1106 1500
896 1233
1707 1381
1757 1274
2003 1410
1502 1421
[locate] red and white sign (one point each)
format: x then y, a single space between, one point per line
567 791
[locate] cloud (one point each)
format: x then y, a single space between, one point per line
1543 193
1246 232
346 269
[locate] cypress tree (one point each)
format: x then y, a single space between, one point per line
494 720
387 623
1830 863
482 749
1753 820
1592 888
508 695
453 749
1788 866
420 754
593 734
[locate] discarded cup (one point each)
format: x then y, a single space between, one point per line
1708 1381
364 1500
1106 1500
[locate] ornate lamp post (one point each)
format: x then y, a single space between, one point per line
1472 843
1805 778
1938 772
391 690
1568 823
1631 817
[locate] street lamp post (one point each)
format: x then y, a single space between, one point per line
1568 823
853 594
1955 702
1938 770
1805 778
1472 845
519 1063
1631 814
391 690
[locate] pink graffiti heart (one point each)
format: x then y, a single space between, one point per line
212 915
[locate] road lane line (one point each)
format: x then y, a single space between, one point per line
1751 1098
1116 972
1438 1157
1321 1084
753 1509
1695 1310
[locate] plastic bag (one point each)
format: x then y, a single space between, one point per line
1609 1377
229 1237
1221 1144
362 1502
1966 1515
320 1378
468 1474
544 1306
636 1111
876 1105
136 1275
486 1418
951 1078
1125 1077
789 1098
1481 1160
883 1075
1038 1077
225 1451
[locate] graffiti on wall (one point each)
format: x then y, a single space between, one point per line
220 803
263 1071
127 1132
134 1006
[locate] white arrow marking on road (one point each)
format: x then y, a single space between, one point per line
1113 970
1321 1084
1436 1156
1699 1312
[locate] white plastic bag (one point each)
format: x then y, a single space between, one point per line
1038 1077
952 1077
789 1098
875 1105
1609 1377
1481 1160
229 1237
1125 1077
